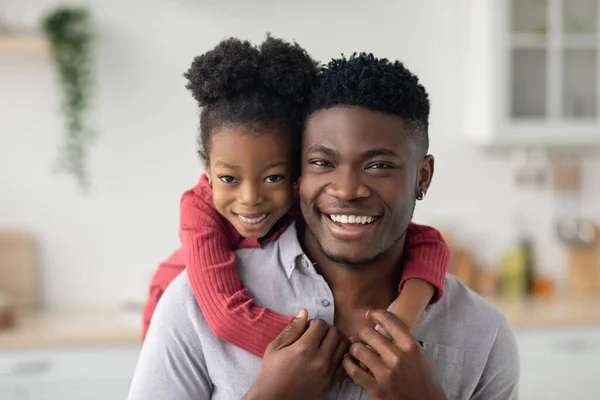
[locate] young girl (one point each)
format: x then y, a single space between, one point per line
256 97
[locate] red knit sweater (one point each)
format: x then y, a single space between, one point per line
208 243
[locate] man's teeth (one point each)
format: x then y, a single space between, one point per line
252 220
352 219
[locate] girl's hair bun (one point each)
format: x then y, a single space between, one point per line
287 69
231 67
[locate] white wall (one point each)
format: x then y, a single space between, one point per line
99 249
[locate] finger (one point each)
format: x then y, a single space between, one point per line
317 329
339 373
360 364
292 331
331 340
338 357
387 351
342 349
384 333
373 364
358 376
398 332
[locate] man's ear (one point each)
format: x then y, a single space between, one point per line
425 175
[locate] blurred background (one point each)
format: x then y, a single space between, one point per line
97 144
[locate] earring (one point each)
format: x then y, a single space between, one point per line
209 182
421 195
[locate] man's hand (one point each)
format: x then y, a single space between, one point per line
301 363
397 366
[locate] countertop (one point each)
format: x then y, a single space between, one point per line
60 329
52 329
552 312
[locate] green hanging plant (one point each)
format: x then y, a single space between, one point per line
70 35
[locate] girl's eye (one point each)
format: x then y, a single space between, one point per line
227 179
320 163
273 178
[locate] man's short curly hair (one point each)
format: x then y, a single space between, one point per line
376 84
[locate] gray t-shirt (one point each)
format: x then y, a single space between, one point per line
470 341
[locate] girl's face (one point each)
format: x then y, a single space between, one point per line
251 176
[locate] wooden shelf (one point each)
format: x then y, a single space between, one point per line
22 43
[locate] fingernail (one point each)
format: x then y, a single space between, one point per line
299 314
368 312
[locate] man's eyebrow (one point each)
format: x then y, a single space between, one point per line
378 152
319 148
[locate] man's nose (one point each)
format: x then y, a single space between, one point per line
347 185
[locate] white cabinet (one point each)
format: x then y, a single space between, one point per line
8 393
99 389
90 373
558 364
532 71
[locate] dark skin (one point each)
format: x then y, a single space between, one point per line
303 362
358 161
395 364
362 163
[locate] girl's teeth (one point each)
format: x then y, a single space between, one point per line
352 219
253 220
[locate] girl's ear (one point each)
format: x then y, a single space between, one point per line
207 171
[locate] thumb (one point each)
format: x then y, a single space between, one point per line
292 331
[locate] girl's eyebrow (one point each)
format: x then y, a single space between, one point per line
275 164
265 168
226 165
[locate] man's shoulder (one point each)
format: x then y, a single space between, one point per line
179 296
463 319
179 308
468 304
472 344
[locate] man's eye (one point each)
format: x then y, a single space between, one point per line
321 163
227 179
273 178
380 166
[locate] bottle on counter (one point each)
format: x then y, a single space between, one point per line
517 266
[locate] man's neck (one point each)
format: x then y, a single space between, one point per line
358 287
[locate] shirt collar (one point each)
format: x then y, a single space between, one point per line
290 249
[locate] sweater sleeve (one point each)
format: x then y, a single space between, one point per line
231 313
427 257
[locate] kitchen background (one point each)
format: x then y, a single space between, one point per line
515 131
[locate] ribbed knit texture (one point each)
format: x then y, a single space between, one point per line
426 257
208 244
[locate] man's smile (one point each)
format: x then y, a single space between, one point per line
350 224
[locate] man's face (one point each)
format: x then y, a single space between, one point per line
360 176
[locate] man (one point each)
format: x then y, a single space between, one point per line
364 163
